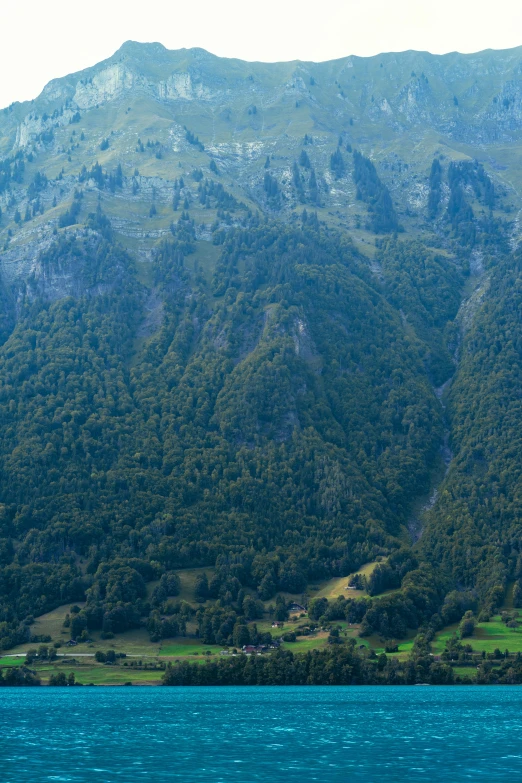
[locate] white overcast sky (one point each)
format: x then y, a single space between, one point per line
43 39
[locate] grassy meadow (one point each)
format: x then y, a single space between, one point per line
333 588
487 637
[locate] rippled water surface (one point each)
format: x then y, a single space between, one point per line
260 734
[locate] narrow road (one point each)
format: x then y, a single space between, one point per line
82 655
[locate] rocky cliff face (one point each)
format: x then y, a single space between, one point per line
173 120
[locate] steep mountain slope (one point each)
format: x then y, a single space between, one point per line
475 526
162 114
232 298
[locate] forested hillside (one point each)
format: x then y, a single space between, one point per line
262 320
475 528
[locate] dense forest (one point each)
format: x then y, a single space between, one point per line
278 426
280 420
475 530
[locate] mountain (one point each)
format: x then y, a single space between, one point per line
262 319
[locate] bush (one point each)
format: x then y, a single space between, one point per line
58 679
467 625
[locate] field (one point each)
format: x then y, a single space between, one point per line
135 642
99 674
110 675
181 647
187 577
306 643
337 586
405 645
465 671
486 638
12 660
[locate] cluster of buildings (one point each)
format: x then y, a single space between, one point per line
254 649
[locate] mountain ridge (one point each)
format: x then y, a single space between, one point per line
138 49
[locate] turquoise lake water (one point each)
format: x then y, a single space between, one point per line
260 734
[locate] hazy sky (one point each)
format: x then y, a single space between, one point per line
43 39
